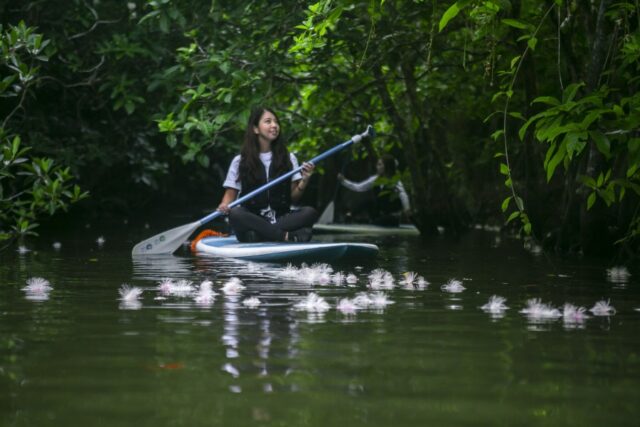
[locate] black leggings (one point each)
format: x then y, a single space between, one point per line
242 220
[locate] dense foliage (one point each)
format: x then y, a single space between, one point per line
524 107
29 185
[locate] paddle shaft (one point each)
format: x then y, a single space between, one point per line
278 180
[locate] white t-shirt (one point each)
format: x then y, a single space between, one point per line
233 178
370 182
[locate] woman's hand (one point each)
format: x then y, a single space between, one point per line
224 208
230 194
307 170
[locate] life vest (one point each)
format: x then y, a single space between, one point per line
278 196
387 199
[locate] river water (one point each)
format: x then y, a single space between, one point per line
77 355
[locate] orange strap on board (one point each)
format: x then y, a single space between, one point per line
203 234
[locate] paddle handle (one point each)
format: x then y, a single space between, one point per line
370 132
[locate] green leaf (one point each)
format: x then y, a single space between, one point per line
505 204
504 169
602 142
556 160
513 216
575 143
497 134
570 92
550 100
519 203
514 23
515 60
532 43
451 13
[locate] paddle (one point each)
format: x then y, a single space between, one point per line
168 241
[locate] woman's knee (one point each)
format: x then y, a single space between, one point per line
238 216
309 212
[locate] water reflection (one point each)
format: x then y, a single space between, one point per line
157 267
130 305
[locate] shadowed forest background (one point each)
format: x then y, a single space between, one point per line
521 114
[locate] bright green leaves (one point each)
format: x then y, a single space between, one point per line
320 18
568 126
515 23
21 49
31 187
451 13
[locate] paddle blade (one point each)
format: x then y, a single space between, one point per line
327 214
166 242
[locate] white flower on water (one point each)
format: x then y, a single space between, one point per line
453 286
352 278
205 294
165 286
129 293
380 279
322 279
37 285
233 286
290 271
409 277
316 274
602 308
536 310
618 274
496 305
347 306
100 240
251 302
313 303
23 250
57 245
338 278
362 300
574 314
413 281
371 300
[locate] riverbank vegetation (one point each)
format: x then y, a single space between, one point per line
522 113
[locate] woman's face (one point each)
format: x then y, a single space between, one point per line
380 167
268 127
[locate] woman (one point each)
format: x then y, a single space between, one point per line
392 200
268 215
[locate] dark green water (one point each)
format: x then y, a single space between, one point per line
82 358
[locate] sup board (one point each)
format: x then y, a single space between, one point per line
229 247
403 229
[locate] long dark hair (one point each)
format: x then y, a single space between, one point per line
250 164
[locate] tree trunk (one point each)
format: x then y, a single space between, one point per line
593 225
